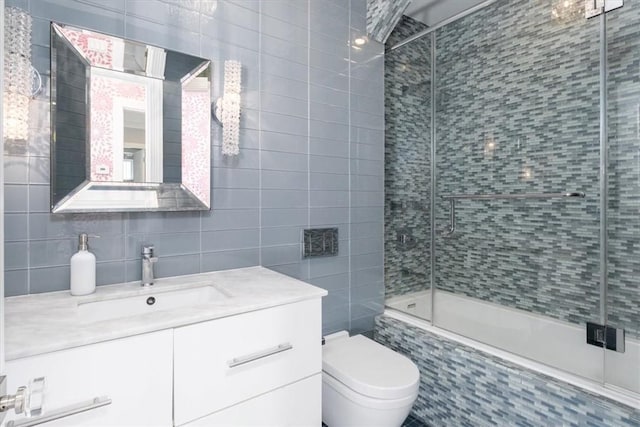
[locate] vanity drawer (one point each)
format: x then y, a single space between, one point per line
295 405
134 372
225 361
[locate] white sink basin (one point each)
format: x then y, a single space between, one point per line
148 302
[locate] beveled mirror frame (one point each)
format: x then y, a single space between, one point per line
120 196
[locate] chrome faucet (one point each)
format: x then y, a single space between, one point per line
147 265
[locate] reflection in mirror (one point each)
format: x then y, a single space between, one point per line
131 125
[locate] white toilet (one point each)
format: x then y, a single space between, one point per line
365 384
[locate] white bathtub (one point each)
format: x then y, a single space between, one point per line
534 341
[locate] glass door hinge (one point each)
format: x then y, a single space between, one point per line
598 7
605 336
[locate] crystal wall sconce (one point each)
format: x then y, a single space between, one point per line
21 80
227 110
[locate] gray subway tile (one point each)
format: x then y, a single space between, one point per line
278 199
223 198
290 31
49 226
39 170
328 266
330 79
79 14
284 124
330 216
235 178
334 199
214 261
292 50
286 11
297 270
230 240
16 170
284 105
282 217
237 13
178 265
230 33
326 130
15 227
284 68
230 219
325 164
327 181
330 113
39 198
284 180
334 282
16 282
278 236
247 159
16 255
16 198
280 161
165 244
163 222
274 141
108 273
49 279
284 86
277 255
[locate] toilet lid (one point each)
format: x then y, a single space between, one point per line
370 368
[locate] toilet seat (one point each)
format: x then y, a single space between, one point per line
370 369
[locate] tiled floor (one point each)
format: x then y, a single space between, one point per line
409 422
413 422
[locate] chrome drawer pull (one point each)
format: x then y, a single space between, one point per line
66 411
259 355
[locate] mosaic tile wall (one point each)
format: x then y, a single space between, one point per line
382 17
623 304
461 386
407 165
517 112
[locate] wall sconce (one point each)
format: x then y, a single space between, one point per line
228 108
19 75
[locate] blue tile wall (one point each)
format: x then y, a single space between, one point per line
461 386
407 161
312 141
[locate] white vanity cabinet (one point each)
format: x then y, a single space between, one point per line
134 372
260 368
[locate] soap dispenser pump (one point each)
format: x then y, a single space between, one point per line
83 268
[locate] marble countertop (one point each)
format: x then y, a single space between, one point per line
42 323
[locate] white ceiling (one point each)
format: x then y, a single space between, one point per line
432 12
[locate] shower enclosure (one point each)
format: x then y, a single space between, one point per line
512 179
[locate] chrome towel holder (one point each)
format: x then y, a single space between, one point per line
517 196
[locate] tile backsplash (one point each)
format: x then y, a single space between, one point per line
312 153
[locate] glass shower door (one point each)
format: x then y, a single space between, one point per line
623 214
407 166
517 114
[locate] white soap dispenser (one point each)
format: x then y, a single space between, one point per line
83 268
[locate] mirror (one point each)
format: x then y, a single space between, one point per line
130 125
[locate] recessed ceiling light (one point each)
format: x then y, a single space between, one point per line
360 41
